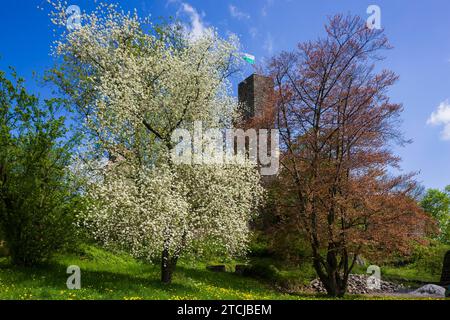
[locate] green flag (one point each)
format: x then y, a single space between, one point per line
249 58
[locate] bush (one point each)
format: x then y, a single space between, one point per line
262 271
37 200
259 246
4 251
429 259
34 234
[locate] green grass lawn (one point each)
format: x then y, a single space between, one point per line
111 276
409 275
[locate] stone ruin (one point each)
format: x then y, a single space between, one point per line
254 93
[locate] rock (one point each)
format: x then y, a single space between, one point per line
357 284
218 268
360 261
430 290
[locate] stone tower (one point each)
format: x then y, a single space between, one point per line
254 92
256 97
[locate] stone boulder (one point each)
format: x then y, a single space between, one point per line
430 290
217 268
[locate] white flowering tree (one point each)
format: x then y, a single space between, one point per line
133 89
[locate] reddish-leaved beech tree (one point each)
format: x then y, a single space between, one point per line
337 127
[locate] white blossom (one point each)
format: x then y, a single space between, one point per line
144 86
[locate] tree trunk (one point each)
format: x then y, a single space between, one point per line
334 281
168 265
336 287
335 284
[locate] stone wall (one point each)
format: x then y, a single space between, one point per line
254 93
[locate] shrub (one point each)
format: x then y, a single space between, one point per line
37 200
430 258
261 270
259 246
4 251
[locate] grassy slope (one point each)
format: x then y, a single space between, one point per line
410 275
110 276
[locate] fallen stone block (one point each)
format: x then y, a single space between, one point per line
217 268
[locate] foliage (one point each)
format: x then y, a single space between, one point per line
261 270
259 246
138 88
37 199
337 125
430 259
139 215
437 203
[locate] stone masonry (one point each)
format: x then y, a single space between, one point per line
254 92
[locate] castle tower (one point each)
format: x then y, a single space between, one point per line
256 98
254 92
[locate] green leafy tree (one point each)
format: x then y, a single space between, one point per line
36 196
437 204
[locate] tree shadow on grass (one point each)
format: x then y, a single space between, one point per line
103 283
141 280
225 280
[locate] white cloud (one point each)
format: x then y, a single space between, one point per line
197 27
268 44
238 14
446 133
265 8
442 117
253 32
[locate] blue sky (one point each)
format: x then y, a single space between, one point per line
419 31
